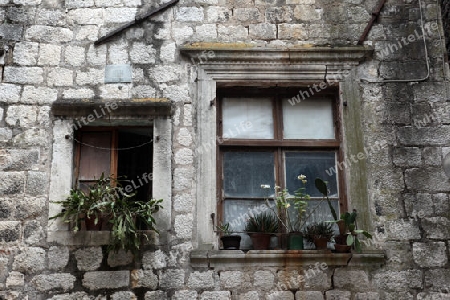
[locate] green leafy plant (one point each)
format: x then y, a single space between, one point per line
347 220
263 222
225 229
318 230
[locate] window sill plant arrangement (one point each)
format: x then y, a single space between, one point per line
260 228
319 234
348 232
105 199
229 240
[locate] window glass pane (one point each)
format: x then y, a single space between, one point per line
312 165
244 172
309 119
316 211
238 211
247 118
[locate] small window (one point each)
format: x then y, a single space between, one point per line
125 152
266 140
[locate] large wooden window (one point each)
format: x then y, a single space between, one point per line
124 152
268 137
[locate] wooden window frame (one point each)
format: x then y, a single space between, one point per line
277 144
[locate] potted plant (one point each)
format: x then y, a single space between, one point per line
124 212
319 234
348 232
81 205
260 228
229 240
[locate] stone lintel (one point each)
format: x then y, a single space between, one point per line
133 108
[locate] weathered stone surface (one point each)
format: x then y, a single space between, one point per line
91 77
74 55
351 280
398 280
33 233
24 75
26 53
438 280
184 295
433 296
263 31
335 294
58 257
30 260
39 95
15 280
123 296
119 15
106 280
11 31
402 230
73 296
19 159
367 296
183 226
183 178
60 77
48 34
430 254
436 227
184 156
310 295
165 73
201 280
78 93
9 93
407 157
252 295
225 295
155 295
89 259
144 278
59 281
263 280
154 260
29 207
280 295
35 183
141 53
231 279
189 14
9 231
171 278
120 258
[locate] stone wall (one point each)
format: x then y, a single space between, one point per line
445 8
50 55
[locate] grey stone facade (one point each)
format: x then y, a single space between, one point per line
400 188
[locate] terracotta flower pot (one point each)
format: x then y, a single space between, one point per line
321 243
342 248
341 239
89 222
261 241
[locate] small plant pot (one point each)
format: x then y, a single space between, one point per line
321 243
341 239
231 242
342 248
261 241
295 241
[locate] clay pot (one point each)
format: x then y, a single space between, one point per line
89 222
261 241
321 243
342 248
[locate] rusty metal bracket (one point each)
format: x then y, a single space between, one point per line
375 15
137 19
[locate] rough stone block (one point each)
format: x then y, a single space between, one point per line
141 53
144 278
307 13
96 55
180 34
74 55
155 295
402 230
78 93
39 95
143 91
252 295
206 32
87 32
183 226
432 296
279 14
4 261
125 295
264 31
292 31
72 296
407 157
48 34
177 93
367 296
436 227
351 280
15 280
430 254
33 233
9 93
79 3
263 280
115 91
91 77
398 280
24 75
432 179
19 159
189 14
310 295
120 258
438 280
11 183
32 137
21 115
184 295
58 257
30 260
232 33
106 280
341 295
183 178
231 279
59 281
252 15
154 260
11 32
168 52
280 295
171 278
165 73
51 17
225 295
30 207
217 14
184 156
201 280
119 15
60 77
86 16
89 259
25 53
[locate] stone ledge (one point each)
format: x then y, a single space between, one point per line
282 258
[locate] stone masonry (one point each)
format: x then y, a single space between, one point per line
49 55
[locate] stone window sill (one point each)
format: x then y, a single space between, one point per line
283 258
